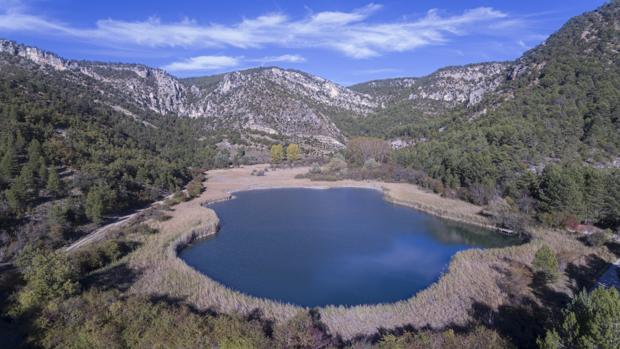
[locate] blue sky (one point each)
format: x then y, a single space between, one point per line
345 41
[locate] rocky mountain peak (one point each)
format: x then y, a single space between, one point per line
34 54
451 86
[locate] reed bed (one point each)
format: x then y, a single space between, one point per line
474 276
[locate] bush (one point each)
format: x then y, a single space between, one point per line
194 188
315 169
336 166
99 319
176 199
99 255
591 320
546 263
141 229
599 238
48 275
302 331
371 164
479 337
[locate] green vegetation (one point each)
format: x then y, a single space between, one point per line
48 275
591 320
60 146
479 337
60 307
557 111
98 319
541 150
194 188
546 263
362 149
565 110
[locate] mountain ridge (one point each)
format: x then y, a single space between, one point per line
268 101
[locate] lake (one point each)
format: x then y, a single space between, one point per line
343 246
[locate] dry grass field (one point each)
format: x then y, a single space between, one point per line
476 279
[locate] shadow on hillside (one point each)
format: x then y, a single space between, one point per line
181 302
521 323
585 275
256 315
401 330
119 277
614 248
524 318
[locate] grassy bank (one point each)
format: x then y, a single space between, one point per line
476 279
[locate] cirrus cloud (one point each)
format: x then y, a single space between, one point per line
203 63
349 33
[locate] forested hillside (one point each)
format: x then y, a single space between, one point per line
67 160
561 105
428 102
535 143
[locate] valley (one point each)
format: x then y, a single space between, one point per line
108 171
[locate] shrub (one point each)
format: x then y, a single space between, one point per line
479 337
48 275
546 263
302 331
371 164
177 198
336 165
599 238
591 320
97 319
99 255
194 188
141 229
315 169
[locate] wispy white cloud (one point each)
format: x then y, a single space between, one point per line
376 71
203 63
288 58
350 33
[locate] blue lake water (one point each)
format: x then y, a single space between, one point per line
341 246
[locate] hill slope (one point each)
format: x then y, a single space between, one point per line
283 103
561 102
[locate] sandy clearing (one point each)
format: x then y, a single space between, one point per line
221 184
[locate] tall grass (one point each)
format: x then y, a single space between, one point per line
474 276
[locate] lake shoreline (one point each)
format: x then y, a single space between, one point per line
405 194
472 275
313 214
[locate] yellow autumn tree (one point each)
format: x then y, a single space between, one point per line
277 153
292 152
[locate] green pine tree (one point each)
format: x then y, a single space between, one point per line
54 184
8 165
34 150
42 172
94 205
546 263
18 196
